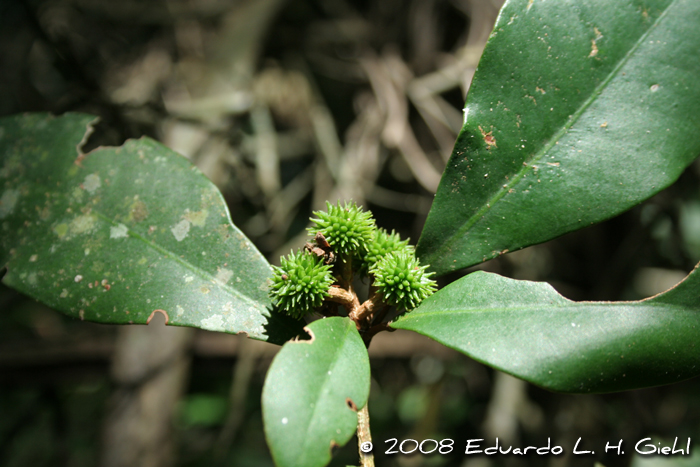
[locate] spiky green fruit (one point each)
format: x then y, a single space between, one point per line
346 228
402 281
300 284
381 245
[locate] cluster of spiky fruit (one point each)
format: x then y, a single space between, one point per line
346 239
300 284
347 228
402 280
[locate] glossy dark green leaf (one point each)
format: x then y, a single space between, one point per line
117 234
530 331
578 111
312 393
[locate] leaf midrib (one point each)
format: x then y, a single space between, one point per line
579 306
536 157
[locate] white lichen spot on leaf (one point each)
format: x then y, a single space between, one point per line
181 229
197 218
92 183
82 224
119 231
223 275
213 323
8 200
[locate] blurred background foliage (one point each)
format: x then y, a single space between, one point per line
285 104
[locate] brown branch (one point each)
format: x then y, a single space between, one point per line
364 311
345 297
364 436
346 273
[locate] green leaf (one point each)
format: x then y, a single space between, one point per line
116 234
312 393
530 331
577 112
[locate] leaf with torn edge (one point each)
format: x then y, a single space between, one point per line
577 112
121 233
312 393
530 331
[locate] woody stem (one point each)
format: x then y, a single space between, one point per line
365 310
364 436
346 271
345 297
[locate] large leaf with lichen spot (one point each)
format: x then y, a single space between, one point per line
312 393
528 330
116 234
578 111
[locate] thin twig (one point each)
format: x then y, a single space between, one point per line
346 298
364 436
364 311
360 314
346 271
